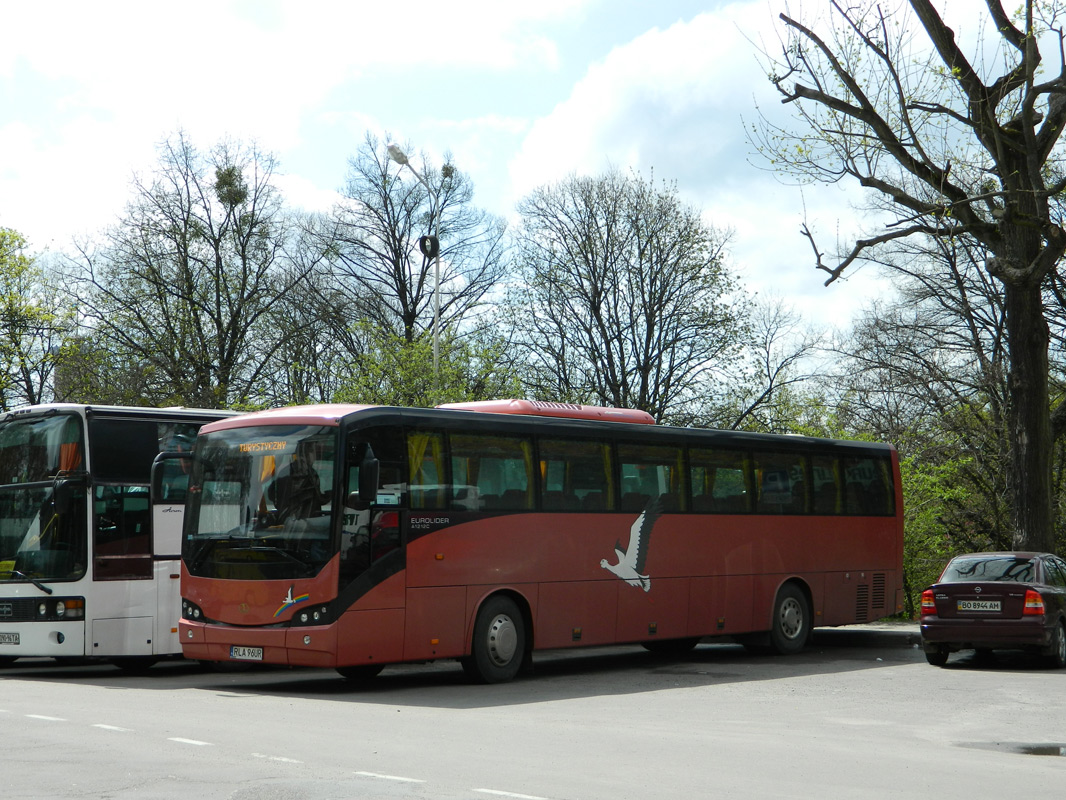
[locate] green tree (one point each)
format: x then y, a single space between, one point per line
390 370
952 145
33 322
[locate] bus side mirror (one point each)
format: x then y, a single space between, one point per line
170 477
63 493
369 471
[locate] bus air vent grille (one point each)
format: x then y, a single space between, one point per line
862 603
878 598
18 610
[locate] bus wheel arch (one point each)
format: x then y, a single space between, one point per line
791 618
501 642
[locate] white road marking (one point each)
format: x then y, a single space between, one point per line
510 794
179 740
46 719
389 777
277 758
112 728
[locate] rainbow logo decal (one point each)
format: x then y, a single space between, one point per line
289 602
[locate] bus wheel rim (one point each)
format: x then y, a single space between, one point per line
791 618
503 640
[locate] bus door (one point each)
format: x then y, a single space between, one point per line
170 484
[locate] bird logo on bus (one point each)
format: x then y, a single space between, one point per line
630 562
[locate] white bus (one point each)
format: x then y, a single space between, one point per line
90 533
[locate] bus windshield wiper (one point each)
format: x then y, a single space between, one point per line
34 581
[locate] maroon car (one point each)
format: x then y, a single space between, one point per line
997 601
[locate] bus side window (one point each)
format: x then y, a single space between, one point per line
720 481
576 475
868 486
425 458
497 470
122 545
825 485
781 480
650 471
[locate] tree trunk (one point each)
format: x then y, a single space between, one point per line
1030 417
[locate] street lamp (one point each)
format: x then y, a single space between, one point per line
430 247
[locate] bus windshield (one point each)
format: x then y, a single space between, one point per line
42 538
261 500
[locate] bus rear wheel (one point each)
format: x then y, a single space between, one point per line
499 644
791 622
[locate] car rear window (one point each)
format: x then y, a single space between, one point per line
984 568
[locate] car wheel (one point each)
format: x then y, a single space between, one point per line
938 657
1056 656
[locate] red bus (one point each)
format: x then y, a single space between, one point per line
353 537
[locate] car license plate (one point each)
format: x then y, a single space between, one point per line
246 653
9 638
978 605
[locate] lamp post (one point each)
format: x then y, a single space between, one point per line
430 247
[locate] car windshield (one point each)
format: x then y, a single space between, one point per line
990 568
260 502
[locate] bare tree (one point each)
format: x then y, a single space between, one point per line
375 240
957 145
781 357
621 295
188 281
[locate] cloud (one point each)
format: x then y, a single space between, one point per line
674 101
89 89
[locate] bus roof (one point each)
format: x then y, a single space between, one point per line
540 408
332 413
460 416
323 414
89 409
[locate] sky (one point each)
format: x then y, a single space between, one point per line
520 94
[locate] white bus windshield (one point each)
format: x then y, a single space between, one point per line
40 538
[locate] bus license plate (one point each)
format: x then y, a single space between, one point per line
978 605
9 638
245 653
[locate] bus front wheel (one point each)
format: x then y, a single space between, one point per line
792 621
499 644
358 673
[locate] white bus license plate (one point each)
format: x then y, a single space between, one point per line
245 653
978 605
9 638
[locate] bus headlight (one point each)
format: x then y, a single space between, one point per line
191 611
311 616
61 608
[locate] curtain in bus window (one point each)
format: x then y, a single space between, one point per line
781 483
649 471
825 485
720 481
867 486
497 471
425 455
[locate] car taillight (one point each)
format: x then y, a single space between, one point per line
1034 603
928 603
